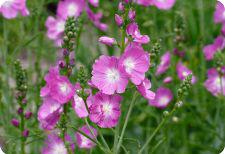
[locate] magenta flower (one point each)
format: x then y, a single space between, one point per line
119 20
58 87
84 142
15 122
183 72
215 84
105 110
162 98
133 31
10 8
164 63
55 145
94 3
108 76
132 15
211 49
107 40
55 29
144 90
70 8
164 4
135 62
167 80
49 113
219 14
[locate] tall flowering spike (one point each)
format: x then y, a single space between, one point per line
219 14
105 110
55 28
164 63
70 8
164 4
135 62
162 99
215 82
54 145
10 8
84 142
144 90
49 113
107 76
183 72
133 30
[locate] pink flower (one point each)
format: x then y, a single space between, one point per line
107 40
11 8
164 63
145 2
119 20
164 4
132 15
211 49
84 142
133 31
219 15
183 72
105 110
94 3
108 76
70 8
144 89
167 80
162 98
49 113
55 29
55 145
215 84
96 19
57 87
135 62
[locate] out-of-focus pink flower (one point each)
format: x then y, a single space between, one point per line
55 29
94 3
10 8
107 40
132 15
145 2
55 145
105 110
28 115
84 142
179 53
121 6
215 83
135 62
164 4
164 63
211 49
119 20
108 76
133 31
70 8
183 72
168 79
162 98
15 122
49 113
219 14
144 90
26 133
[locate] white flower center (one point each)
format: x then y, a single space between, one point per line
78 101
64 88
84 141
59 149
112 75
129 64
72 9
163 100
185 74
107 109
60 26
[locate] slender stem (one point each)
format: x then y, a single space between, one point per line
156 130
123 35
103 139
126 122
23 139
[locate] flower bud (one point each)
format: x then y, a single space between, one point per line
20 111
25 133
62 64
24 101
165 113
66 52
179 104
107 40
132 15
121 6
175 119
28 115
119 20
15 122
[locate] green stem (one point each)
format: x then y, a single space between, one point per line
156 130
23 139
126 122
123 35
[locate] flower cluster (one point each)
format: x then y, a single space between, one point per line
71 8
10 8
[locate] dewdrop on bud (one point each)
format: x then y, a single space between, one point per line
119 20
107 40
175 119
179 104
166 113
